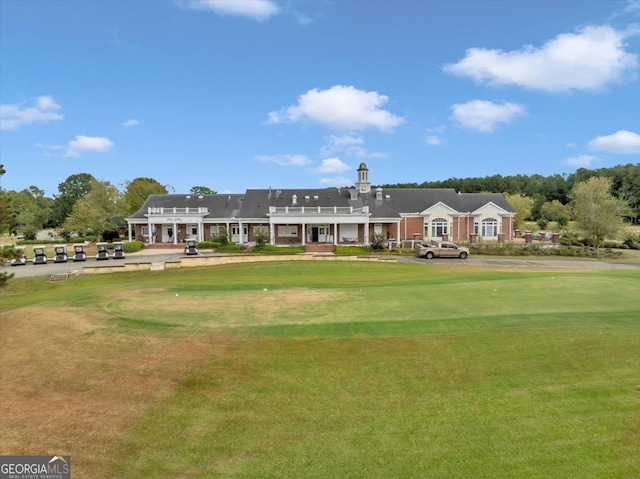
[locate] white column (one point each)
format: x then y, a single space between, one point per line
272 233
175 233
304 234
335 234
129 227
366 233
149 237
240 235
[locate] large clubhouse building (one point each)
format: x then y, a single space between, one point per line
332 216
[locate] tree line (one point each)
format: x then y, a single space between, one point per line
82 204
547 195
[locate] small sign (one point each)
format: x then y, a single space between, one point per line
35 467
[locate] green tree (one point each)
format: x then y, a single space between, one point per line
554 210
596 211
6 214
30 211
202 190
138 190
522 206
71 190
7 253
95 211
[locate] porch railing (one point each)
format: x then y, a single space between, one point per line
178 211
317 210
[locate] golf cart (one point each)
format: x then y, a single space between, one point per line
190 249
21 261
60 251
78 253
118 250
39 255
102 253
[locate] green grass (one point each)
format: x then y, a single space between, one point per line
376 370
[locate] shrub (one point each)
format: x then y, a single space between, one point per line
229 247
352 250
632 240
543 223
30 233
223 236
377 242
133 246
208 244
562 221
261 239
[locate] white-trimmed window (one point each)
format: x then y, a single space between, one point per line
489 228
287 230
439 227
215 230
144 230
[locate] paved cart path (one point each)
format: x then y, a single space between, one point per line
159 256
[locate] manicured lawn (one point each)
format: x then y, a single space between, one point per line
327 369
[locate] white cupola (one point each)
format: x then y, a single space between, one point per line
363 185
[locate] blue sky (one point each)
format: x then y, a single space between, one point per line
235 94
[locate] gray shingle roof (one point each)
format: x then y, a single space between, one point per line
219 206
254 204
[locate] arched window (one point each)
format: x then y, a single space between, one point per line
439 227
489 227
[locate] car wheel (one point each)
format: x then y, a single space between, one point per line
429 255
463 255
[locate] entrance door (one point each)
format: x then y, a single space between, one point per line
167 234
314 234
235 232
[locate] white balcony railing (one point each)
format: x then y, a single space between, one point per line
317 210
179 211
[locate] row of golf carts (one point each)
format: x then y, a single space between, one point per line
79 254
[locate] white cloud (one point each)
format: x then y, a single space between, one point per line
257 9
580 161
434 140
338 181
50 147
348 145
622 142
85 144
332 165
13 116
484 115
285 160
586 60
131 122
337 144
358 152
341 108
